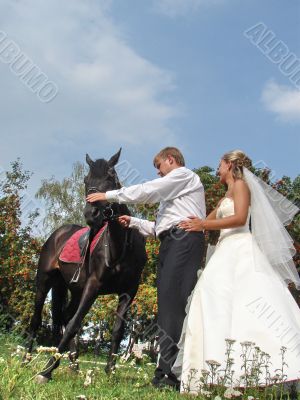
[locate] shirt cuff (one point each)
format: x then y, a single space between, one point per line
134 222
112 195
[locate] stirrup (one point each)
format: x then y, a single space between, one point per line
76 276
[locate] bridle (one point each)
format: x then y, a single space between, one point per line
107 211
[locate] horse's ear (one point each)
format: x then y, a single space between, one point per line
114 159
89 160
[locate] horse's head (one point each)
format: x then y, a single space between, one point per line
101 178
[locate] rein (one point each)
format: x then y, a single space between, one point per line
110 215
106 250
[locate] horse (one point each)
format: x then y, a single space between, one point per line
114 267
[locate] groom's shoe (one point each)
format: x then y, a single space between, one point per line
155 381
173 381
158 375
166 382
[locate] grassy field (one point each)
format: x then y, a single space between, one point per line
130 381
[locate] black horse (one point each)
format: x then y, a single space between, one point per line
114 267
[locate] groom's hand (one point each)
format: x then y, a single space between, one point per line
91 198
193 224
124 220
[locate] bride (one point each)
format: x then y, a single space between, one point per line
241 303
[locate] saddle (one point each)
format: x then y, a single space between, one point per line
74 249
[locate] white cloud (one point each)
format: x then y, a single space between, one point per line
108 96
179 8
282 100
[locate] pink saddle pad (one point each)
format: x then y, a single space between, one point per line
71 251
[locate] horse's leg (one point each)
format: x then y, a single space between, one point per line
73 355
90 294
43 285
119 326
73 346
58 303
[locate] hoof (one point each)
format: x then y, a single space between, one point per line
41 380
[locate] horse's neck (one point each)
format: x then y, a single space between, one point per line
116 232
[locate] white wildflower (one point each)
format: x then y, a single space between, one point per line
247 343
66 355
88 378
231 392
230 341
213 363
19 351
205 372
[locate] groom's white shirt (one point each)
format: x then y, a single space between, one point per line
180 194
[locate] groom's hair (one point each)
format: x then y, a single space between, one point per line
170 151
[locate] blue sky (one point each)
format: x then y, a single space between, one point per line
146 74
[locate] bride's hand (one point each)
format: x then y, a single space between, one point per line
193 224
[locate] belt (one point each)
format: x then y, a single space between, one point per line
169 232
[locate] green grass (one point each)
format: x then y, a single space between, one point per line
128 382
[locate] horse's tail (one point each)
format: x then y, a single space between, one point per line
58 305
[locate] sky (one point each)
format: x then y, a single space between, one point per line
145 74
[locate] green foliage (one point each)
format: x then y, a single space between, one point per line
291 189
214 191
64 200
18 251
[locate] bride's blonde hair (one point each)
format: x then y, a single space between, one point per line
239 160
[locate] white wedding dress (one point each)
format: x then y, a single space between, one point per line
238 296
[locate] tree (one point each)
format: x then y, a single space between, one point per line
291 189
64 200
18 250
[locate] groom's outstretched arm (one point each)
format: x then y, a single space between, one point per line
176 183
145 227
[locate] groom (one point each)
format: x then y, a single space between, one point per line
180 194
